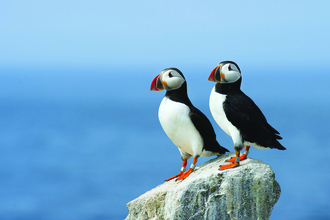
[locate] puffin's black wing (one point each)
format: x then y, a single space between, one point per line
246 116
204 127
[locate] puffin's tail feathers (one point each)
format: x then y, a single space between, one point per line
277 145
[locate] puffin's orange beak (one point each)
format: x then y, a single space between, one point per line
213 74
157 84
216 75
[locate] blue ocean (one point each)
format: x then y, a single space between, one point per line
79 144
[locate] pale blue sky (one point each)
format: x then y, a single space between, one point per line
166 33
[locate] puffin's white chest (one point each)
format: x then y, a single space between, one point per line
175 120
219 115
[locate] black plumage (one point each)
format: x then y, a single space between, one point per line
200 121
238 115
187 127
246 116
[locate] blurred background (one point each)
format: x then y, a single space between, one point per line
79 129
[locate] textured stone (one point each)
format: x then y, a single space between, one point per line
247 192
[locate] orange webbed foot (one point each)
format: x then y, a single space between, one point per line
232 159
243 157
184 164
185 175
228 166
182 175
173 177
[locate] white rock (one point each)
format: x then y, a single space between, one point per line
247 192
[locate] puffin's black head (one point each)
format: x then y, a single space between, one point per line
225 72
169 79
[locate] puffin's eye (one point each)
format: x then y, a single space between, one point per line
170 75
229 68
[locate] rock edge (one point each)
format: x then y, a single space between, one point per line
249 191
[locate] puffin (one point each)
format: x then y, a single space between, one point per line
238 115
186 126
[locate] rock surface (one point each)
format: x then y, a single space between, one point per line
247 192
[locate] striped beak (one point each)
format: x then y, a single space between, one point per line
216 75
157 84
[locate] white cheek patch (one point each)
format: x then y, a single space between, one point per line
232 76
174 83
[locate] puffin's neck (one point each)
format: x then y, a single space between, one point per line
225 88
179 95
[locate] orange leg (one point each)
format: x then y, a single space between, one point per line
243 157
192 167
233 164
184 164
